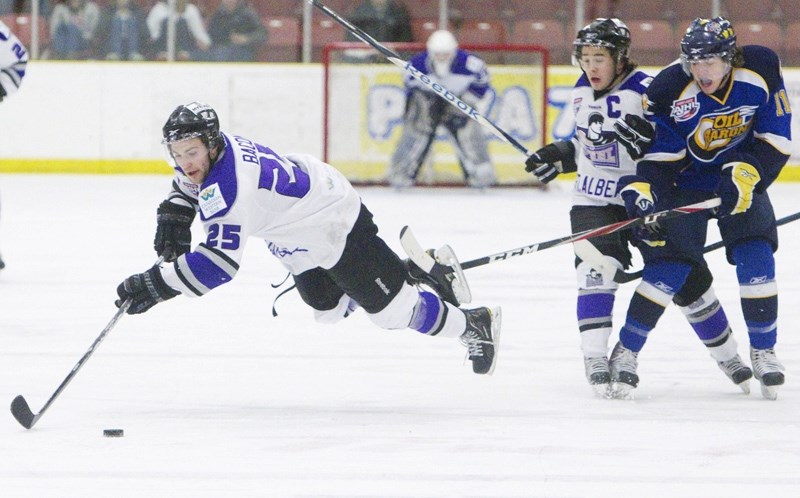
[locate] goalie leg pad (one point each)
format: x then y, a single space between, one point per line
408 157
422 116
473 153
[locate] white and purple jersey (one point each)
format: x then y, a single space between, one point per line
13 59
303 208
601 159
468 73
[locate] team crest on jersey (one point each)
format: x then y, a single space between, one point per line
684 110
594 279
193 188
211 200
719 131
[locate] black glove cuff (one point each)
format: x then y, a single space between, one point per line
157 286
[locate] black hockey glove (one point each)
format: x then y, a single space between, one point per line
636 134
173 233
551 160
737 185
145 290
640 201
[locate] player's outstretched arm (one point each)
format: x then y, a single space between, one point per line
145 290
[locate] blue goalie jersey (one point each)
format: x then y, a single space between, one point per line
697 133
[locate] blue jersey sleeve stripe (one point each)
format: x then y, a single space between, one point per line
219 258
187 279
206 271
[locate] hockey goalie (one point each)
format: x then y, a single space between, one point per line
466 76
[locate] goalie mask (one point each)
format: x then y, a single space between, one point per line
442 46
708 38
190 121
611 34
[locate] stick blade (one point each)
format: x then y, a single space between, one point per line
22 412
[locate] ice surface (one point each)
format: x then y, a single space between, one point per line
219 399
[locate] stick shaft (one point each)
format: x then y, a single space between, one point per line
624 277
20 408
444 93
595 232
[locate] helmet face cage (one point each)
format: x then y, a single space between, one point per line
609 33
191 121
707 38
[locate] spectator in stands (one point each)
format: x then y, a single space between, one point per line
236 32
124 30
73 25
24 7
190 30
384 20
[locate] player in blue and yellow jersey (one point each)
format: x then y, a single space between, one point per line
722 121
611 135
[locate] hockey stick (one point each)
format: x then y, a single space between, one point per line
424 260
20 408
441 91
625 277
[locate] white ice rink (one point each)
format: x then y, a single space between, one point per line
219 399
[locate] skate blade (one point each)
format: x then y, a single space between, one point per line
497 321
446 256
602 391
621 390
744 386
769 392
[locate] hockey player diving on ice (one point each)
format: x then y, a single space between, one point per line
312 220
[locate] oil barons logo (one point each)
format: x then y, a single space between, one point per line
717 132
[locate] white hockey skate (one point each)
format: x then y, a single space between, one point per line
739 373
439 269
767 370
623 364
598 375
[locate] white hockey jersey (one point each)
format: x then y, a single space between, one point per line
303 208
601 159
13 60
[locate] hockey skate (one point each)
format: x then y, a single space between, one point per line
438 269
482 338
598 375
739 373
623 365
767 370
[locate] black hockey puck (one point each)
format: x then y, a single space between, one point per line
113 432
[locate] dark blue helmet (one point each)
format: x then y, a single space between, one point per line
706 38
190 121
610 33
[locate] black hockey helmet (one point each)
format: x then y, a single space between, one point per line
193 120
610 33
706 38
